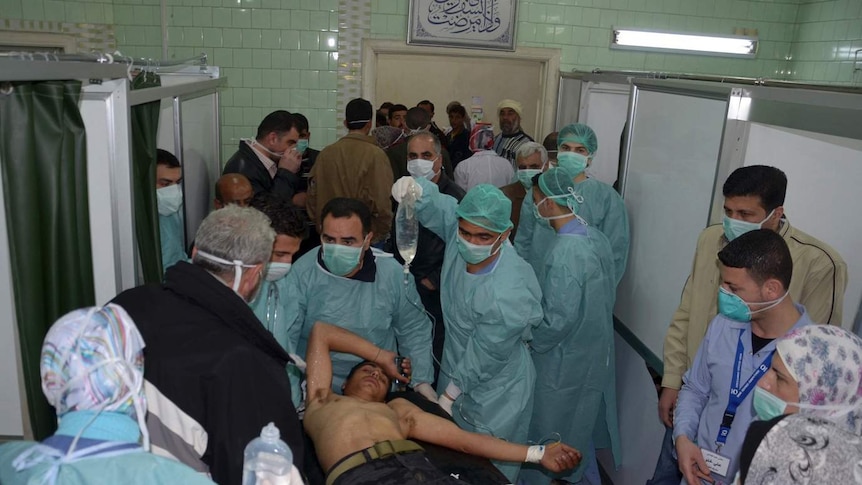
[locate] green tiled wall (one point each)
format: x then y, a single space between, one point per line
89 11
828 33
581 29
276 54
283 53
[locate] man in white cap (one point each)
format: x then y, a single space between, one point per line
511 135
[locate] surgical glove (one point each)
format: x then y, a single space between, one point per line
452 391
402 187
426 391
446 403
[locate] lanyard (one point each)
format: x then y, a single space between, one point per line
737 393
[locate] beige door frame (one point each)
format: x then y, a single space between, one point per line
548 58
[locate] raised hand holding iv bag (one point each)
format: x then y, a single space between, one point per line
407 228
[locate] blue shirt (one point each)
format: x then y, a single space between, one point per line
706 388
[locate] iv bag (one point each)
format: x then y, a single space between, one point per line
407 227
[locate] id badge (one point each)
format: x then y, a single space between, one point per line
716 463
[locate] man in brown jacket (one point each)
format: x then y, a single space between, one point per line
354 167
753 199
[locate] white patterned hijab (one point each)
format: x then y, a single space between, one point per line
92 360
806 450
826 362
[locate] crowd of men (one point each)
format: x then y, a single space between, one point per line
293 292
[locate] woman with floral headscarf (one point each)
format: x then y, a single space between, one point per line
92 368
800 449
816 371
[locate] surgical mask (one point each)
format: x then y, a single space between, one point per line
237 265
767 405
276 271
255 143
169 199
733 228
302 145
573 203
525 176
474 253
421 168
572 162
735 308
340 259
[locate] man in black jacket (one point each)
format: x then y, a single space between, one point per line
214 375
270 162
424 147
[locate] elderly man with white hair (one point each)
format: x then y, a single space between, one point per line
92 374
215 376
511 135
532 160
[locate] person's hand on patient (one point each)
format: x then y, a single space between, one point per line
560 457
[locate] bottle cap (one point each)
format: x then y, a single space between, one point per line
270 433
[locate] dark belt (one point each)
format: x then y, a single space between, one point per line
379 450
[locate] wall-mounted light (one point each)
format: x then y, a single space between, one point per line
713 45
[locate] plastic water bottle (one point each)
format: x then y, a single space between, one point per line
268 460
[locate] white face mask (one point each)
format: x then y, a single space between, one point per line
422 168
276 271
169 199
254 143
237 265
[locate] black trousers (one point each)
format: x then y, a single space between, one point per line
401 469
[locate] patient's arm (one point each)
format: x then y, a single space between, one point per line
418 424
325 338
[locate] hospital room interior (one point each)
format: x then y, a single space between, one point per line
533 241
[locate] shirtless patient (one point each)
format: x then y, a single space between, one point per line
360 439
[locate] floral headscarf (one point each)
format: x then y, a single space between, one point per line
826 362
805 449
93 359
388 136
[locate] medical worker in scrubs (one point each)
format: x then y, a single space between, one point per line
491 301
573 346
169 197
271 303
603 208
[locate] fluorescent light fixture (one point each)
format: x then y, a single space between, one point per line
737 46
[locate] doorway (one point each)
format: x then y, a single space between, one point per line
393 71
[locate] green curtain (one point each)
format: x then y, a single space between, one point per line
145 126
43 158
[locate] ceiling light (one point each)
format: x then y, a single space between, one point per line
684 43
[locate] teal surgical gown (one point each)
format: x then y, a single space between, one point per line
270 307
171 233
385 311
488 317
128 467
603 208
573 348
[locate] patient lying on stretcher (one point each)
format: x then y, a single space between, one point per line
359 439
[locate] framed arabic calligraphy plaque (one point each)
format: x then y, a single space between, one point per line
474 24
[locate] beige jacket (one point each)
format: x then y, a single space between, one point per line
354 167
818 282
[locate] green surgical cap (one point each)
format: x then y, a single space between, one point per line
557 185
487 207
579 133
